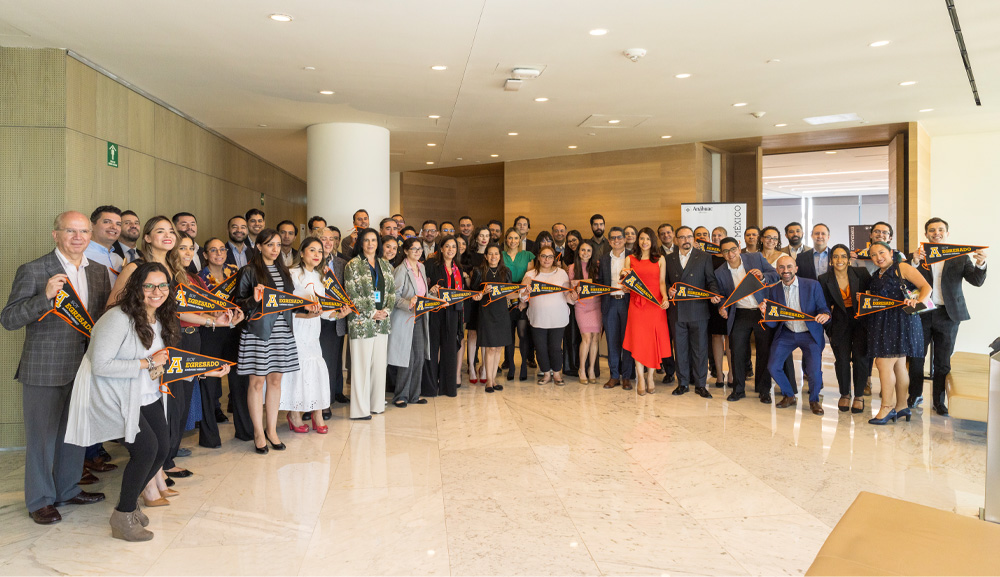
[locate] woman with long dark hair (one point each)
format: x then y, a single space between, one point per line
213 340
494 321
647 335
585 268
472 260
517 261
848 334
548 314
267 344
444 326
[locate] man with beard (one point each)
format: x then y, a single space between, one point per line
600 244
360 223
237 252
465 228
816 260
255 224
496 231
125 246
665 233
752 238
793 232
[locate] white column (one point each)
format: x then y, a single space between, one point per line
348 169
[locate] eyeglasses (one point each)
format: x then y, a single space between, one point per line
547 256
75 231
149 287
217 250
733 250
616 237
415 248
448 230
770 237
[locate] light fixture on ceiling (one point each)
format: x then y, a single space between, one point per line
308 68
614 121
326 92
926 110
828 173
439 67
541 99
431 144
280 17
434 116
571 146
739 104
781 125
878 43
684 75
430 162
831 152
598 32
494 155
511 134
262 125
833 118
666 136
459 158
908 83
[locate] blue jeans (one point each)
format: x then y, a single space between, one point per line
812 363
619 360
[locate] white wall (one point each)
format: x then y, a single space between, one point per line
965 179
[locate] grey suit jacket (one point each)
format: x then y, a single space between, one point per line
337 264
698 273
403 322
52 348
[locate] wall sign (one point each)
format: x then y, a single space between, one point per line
112 155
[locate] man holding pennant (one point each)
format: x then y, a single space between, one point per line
51 355
742 277
944 267
800 304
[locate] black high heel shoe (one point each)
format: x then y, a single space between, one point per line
904 413
276 447
884 420
261 450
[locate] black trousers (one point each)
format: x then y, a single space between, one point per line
238 385
692 352
548 348
332 346
849 341
146 455
571 345
212 343
520 328
179 403
942 331
745 324
440 371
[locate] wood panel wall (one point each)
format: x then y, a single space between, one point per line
424 195
918 159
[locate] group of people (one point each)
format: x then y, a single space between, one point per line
82 390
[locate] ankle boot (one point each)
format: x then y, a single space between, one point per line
143 519
127 527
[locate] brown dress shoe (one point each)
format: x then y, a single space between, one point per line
785 401
82 498
99 466
817 407
627 385
88 478
612 383
47 515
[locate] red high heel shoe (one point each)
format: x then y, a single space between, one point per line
293 428
473 381
322 429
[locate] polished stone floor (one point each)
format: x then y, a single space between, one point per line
534 480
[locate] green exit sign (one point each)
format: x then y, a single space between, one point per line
112 155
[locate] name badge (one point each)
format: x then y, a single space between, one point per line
378 296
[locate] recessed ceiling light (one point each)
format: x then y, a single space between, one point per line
614 121
781 125
878 43
431 144
326 92
439 67
430 162
541 99
434 116
831 152
494 155
281 17
262 125
833 118
598 32
908 83
571 146
685 75
666 136
308 68
511 134
926 109
738 104
459 158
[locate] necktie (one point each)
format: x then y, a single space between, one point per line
131 254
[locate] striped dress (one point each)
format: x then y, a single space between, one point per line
278 354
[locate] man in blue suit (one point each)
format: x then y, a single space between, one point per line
743 316
803 295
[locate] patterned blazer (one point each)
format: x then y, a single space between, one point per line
358 284
52 348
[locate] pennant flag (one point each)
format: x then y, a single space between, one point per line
499 290
184 365
452 296
196 300
686 292
868 304
710 248
330 304
226 287
427 305
543 288
589 290
276 301
68 306
863 253
748 286
936 252
635 284
778 312
336 290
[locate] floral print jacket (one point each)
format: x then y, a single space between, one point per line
358 284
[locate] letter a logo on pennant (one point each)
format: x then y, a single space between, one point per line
175 365
272 300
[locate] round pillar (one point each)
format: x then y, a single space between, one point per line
347 169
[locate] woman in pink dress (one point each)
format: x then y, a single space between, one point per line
588 312
646 334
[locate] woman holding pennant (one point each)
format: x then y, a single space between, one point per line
214 339
444 326
584 267
647 336
548 314
848 333
307 389
517 261
894 334
472 259
409 340
267 345
118 382
494 319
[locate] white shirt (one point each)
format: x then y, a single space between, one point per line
77 276
684 258
103 255
197 259
150 390
617 264
748 302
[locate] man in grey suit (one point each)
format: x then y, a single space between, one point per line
49 360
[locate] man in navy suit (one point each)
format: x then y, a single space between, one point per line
806 296
816 260
237 251
743 316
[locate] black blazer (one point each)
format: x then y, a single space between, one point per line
230 259
698 273
954 271
604 278
807 267
243 297
436 276
858 278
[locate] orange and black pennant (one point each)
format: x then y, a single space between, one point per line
937 252
336 290
686 292
710 247
225 289
192 299
589 290
748 286
426 305
499 290
276 301
538 288
68 306
635 284
452 296
777 312
184 365
869 303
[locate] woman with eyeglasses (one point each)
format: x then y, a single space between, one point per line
409 339
548 314
494 320
770 244
370 285
267 344
444 326
119 378
472 260
517 261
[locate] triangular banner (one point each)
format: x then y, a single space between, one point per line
330 304
499 290
748 286
185 364
775 311
276 301
226 287
937 252
427 305
710 248
192 299
635 284
864 253
589 290
452 296
68 306
686 292
868 304
543 288
336 290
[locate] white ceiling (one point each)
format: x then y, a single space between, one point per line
845 172
226 64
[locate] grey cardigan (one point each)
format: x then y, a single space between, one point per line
401 318
107 393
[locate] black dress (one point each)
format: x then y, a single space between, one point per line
494 320
470 261
893 333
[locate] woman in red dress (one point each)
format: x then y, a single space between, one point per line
646 334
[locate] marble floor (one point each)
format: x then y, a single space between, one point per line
533 480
